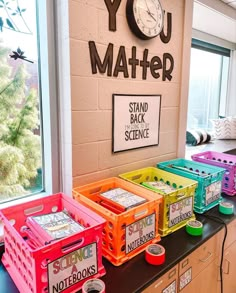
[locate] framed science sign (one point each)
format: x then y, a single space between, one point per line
135 121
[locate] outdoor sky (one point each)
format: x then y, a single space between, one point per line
26 39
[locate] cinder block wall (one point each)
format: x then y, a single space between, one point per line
91 94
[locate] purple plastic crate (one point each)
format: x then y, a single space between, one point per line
226 161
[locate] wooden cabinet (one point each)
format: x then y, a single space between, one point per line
229 269
231 234
229 261
200 267
204 282
199 272
167 283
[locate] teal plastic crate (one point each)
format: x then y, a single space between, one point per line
209 178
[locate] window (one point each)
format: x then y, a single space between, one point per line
29 162
208 84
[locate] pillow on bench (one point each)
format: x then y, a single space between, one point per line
199 136
224 128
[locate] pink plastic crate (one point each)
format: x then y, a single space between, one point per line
226 161
63 265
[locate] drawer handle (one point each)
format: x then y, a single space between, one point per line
172 273
206 259
184 263
228 266
158 284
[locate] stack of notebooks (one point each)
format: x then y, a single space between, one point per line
44 229
119 200
159 186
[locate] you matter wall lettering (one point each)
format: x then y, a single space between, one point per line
127 66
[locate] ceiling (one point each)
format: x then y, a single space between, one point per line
231 3
213 22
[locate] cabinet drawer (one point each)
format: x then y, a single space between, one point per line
231 234
205 282
164 283
200 258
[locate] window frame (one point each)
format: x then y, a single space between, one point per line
49 104
213 48
209 47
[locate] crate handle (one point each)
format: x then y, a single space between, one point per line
72 245
95 190
33 210
135 177
1 230
187 170
180 195
140 214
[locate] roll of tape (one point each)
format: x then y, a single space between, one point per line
155 254
194 228
93 286
226 208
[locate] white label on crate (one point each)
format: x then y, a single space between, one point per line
171 288
71 268
185 279
213 192
140 232
180 211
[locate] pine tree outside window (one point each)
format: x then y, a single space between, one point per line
28 146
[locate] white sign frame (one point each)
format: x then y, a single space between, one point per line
135 121
140 236
57 277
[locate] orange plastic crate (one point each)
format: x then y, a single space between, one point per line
128 233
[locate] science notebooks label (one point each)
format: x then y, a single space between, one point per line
72 268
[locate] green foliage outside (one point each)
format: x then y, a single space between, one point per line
20 150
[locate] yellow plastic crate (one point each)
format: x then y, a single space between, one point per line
177 206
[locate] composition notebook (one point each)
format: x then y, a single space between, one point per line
122 198
159 186
53 226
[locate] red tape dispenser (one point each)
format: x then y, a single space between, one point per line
155 254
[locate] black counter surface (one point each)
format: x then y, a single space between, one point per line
137 274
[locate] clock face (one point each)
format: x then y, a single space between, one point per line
145 17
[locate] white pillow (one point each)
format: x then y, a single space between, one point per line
224 128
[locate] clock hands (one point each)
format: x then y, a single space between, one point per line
149 12
145 17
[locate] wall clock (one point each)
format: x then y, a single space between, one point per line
145 18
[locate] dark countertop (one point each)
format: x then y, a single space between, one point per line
137 274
